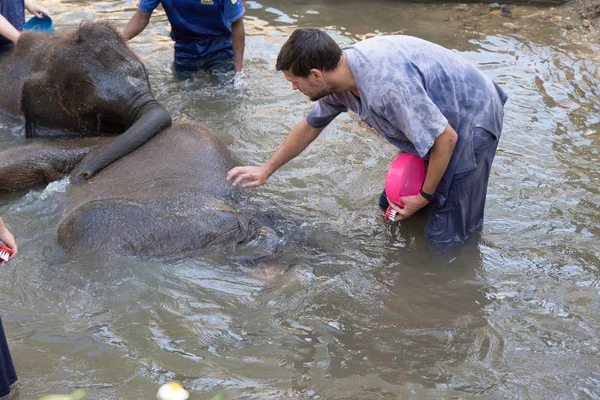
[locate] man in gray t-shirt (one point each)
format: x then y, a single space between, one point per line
421 97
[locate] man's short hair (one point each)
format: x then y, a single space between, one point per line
308 48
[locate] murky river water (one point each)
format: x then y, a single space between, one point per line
371 314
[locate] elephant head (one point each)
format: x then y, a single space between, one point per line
83 82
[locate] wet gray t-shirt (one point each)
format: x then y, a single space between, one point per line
410 89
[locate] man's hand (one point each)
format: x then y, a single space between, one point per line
412 204
239 79
439 157
36 9
255 175
8 239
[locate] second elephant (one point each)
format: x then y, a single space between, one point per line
82 82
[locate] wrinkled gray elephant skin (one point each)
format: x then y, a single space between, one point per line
169 196
85 82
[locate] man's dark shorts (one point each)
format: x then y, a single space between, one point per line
219 64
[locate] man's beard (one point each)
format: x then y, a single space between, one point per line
324 92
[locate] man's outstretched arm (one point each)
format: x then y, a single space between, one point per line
298 139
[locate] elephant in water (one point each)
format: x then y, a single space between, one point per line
154 190
86 82
167 197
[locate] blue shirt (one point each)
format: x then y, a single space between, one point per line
14 12
410 89
199 27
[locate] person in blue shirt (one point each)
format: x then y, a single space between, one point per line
12 19
8 375
209 35
422 98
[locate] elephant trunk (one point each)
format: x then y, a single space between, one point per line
42 162
150 120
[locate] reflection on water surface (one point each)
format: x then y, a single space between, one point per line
371 314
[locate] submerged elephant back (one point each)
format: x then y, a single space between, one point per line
184 161
169 195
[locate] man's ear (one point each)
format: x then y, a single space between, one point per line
316 74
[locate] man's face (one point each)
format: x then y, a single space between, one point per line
312 87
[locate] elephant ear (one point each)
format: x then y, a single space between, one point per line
48 111
67 79
33 99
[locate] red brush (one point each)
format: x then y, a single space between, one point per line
390 214
5 253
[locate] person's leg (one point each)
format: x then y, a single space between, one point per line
8 375
183 71
220 65
463 211
186 62
383 201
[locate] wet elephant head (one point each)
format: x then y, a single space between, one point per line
86 81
